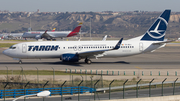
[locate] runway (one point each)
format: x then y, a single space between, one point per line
164 58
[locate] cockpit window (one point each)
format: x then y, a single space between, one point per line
12 47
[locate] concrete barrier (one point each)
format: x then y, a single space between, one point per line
161 98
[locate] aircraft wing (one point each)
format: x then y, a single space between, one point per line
97 52
46 35
163 42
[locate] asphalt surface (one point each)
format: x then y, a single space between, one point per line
167 58
164 58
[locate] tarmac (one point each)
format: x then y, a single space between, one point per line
164 60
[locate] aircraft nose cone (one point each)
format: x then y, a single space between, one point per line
5 52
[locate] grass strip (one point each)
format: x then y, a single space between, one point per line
6 44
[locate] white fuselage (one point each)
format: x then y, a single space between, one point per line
55 34
73 51
54 49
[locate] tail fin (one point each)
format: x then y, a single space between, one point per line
157 31
105 37
29 29
53 29
75 31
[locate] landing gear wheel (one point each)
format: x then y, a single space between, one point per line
20 62
88 61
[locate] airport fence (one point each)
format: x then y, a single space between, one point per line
138 72
97 92
96 81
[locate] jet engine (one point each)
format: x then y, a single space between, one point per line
38 37
70 58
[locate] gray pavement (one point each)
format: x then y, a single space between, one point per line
164 58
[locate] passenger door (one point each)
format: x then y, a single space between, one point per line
140 46
24 48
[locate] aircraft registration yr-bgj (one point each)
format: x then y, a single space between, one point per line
50 35
73 51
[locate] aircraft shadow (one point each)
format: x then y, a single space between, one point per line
64 63
80 64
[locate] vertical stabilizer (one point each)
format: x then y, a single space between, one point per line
75 31
157 31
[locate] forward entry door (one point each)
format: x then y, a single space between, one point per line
24 48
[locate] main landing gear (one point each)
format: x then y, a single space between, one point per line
88 61
20 62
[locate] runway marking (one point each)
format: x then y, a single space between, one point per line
138 68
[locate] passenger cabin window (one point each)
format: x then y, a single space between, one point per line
12 47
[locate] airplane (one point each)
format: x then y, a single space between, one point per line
105 37
11 35
53 29
50 35
73 51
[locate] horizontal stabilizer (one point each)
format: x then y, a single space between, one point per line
158 43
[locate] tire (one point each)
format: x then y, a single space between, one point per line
88 62
20 62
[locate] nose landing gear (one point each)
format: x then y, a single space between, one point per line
20 62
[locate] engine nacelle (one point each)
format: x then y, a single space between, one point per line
70 58
38 37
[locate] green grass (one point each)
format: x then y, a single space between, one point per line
6 44
175 42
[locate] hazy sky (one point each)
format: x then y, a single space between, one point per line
89 5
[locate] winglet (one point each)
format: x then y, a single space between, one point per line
118 44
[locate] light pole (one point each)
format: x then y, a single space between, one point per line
37 75
7 73
90 29
53 75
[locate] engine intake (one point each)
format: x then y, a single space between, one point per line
70 57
